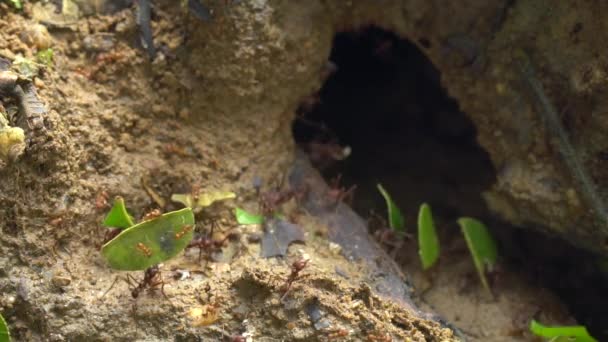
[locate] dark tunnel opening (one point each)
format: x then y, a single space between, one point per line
385 102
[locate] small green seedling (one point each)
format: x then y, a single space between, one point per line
4 334
203 200
245 217
428 243
395 218
118 217
576 333
481 245
150 242
45 57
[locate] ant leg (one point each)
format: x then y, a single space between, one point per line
349 195
128 280
110 288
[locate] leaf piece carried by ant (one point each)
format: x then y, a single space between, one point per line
4 334
202 200
245 217
278 235
395 218
576 333
118 217
481 245
428 243
150 242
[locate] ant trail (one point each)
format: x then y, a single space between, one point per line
566 149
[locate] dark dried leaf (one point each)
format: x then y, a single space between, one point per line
278 235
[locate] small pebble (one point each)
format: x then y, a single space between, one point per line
60 281
37 36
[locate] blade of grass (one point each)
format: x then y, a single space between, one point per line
481 245
576 333
118 217
428 243
5 336
395 218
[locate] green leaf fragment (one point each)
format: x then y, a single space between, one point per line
428 243
18 5
395 218
5 336
481 245
118 217
575 333
185 199
45 57
244 217
150 242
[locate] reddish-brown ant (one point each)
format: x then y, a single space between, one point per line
339 193
379 337
144 249
101 60
270 200
152 214
101 201
185 230
109 235
336 333
296 267
322 155
384 234
208 244
152 280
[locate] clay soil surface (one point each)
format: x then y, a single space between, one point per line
112 129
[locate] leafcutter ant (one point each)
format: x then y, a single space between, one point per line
152 280
152 214
206 242
296 267
338 193
270 200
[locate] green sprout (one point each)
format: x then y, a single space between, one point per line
45 57
245 217
428 243
118 217
575 333
481 245
395 218
150 242
5 336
